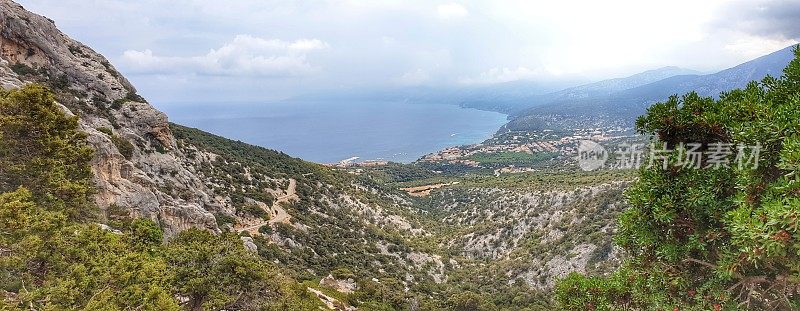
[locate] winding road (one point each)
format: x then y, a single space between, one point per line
277 212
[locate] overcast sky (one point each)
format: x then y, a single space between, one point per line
245 50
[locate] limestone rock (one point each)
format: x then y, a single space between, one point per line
152 181
248 244
8 79
343 286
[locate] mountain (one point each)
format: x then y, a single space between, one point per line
610 86
308 218
506 97
341 238
510 97
141 168
133 143
189 220
627 104
607 87
501 97
705 85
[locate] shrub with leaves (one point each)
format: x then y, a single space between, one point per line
53 257
42 149
721 237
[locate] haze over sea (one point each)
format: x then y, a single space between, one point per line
327 132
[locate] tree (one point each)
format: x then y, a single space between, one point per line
719 237
43 150
216 272
52 258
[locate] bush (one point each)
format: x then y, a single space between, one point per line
22 69
123 146
717 237
253 210
223 219
106 131
265 230
60 82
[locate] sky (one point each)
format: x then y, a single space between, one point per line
263 50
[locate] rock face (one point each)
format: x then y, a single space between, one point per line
343 286
148 180
537 236
8 79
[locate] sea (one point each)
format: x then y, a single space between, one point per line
331 131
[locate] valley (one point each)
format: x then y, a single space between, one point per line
108 205
501 221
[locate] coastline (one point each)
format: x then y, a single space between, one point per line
329 132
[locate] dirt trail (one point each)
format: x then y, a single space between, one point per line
277 212
330 302
423 191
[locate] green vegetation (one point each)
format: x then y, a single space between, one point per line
215 272
22 69
130 97
708 239
54 258
335 238
398 173
722 238
52 263
543 181
254 211
124 146
43 151
513 158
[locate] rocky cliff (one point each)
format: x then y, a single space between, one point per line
180 177
310 219
132 140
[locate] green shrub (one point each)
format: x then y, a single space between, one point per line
265 230
125 147
60 82
22 69
223 219
253 210
717 237
106 131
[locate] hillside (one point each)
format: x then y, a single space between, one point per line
710 237
627 104
106 205
184 178
317 235
520 101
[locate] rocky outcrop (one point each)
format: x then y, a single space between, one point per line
536 236
347 286
137 167
8 79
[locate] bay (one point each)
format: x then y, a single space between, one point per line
327 132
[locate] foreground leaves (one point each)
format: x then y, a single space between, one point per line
713 238
53 256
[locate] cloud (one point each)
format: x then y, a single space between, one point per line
414 77
307 45
752 46
765 18
500 75
451 11
244 56
381 43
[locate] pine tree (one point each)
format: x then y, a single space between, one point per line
717 237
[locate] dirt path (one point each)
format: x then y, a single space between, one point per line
280 214
330 302
277 212
423 191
